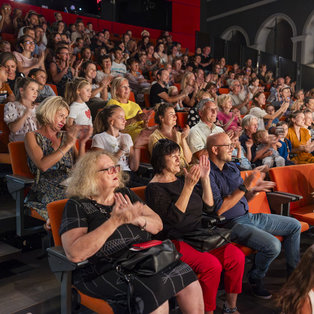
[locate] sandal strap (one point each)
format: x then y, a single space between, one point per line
229 309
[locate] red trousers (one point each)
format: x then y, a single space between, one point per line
208 267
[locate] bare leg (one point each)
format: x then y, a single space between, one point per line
190 299
162 309
231 301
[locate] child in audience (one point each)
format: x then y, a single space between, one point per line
77 93
44 91
20 114
271 157
285 148
270 124
108 126
173 91
6 93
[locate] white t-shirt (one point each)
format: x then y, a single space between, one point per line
112 144
259 114
80 113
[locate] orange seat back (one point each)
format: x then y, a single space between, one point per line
132 97
145 155
4 132
140 192
178 86
259 203
223 90
297 179
146 100
55 211
182 118
54 88
18 158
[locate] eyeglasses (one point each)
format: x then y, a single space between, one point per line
28 42
112 169
227 145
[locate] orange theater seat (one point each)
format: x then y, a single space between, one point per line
260 204
178 86
140 192
145 156
55 210
132 96
146 100
223 90
297 179
151 120
54 88
182 118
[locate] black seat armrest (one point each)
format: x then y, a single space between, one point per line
59 262
211 219
279 202
16 183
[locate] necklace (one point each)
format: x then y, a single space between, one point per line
106 210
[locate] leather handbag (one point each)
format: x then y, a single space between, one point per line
206 239
150 261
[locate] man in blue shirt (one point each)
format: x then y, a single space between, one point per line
256 231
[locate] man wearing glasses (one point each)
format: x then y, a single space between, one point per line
256 231
197 137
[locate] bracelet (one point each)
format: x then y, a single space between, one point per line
143 228
59 150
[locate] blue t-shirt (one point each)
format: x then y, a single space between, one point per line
285 148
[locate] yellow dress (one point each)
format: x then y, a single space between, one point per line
302 157
131 109
155 137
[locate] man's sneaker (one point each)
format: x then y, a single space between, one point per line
258 289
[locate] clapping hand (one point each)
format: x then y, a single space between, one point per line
185 132
86 131
263 186
193 176
204 166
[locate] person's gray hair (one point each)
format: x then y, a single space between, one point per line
246 121
200 106
233 82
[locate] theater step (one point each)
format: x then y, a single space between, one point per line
7 251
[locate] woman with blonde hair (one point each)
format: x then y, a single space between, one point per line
228 120
188 83
136 119
101 222
51 152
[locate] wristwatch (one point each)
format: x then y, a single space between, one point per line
243 188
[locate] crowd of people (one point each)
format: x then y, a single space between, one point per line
262 122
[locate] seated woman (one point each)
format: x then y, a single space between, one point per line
112 218
138 83
20 114
51 153
6 22
25 61
180 204
259 100
228 120
300 139
160 54
107 126
60 70
136 120
299 103
189 84
166 119
8 60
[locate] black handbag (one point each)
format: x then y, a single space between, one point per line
206 239
148 262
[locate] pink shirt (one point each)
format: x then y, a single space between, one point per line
224 118
26 62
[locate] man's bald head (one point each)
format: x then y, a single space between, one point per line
215 139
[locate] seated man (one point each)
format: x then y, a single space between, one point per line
197 137
231 195
159 91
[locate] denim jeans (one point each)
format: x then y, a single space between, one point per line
256 232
